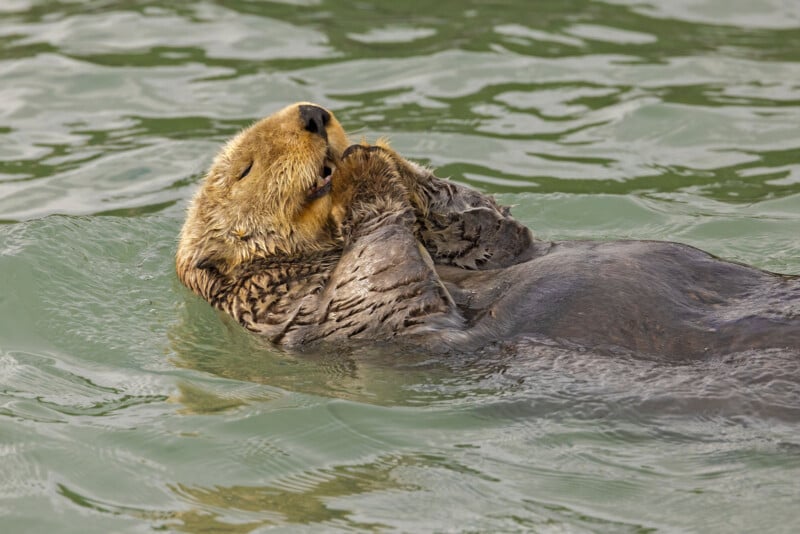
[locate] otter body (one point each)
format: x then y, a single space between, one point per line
648 297
304 240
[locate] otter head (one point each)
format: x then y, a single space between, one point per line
266 193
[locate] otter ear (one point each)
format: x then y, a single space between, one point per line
215 260
206 264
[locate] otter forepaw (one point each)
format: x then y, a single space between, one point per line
370 190
368 173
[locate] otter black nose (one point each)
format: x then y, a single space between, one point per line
315 119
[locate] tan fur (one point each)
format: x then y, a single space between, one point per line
232 221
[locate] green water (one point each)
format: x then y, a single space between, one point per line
129 406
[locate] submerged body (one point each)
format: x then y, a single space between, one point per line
304 240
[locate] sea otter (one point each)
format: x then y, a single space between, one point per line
306 238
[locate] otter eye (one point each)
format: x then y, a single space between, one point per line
246 171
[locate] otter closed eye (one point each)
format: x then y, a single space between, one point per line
246 171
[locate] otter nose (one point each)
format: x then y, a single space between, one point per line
315 119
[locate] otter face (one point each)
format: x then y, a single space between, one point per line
267 192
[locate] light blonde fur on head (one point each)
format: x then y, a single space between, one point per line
234 219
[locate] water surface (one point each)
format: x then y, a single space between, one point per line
128 405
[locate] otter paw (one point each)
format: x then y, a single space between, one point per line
370 190
368 173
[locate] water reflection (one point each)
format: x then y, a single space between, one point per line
307 499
